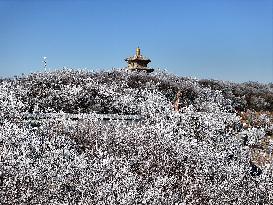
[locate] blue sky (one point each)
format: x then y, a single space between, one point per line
215 39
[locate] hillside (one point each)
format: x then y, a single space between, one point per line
114 137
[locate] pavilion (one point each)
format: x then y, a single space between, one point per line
138 62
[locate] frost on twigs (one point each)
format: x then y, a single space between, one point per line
54 148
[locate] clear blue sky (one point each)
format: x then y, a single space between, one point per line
219 39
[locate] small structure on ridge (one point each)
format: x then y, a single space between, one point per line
138 62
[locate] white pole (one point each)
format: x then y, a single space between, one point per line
44 62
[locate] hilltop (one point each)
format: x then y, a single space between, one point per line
210 144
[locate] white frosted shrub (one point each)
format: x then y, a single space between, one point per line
194 156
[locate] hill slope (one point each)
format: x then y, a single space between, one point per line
200 154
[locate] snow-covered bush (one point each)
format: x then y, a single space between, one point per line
194 156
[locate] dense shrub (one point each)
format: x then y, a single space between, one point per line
198 155
250 95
